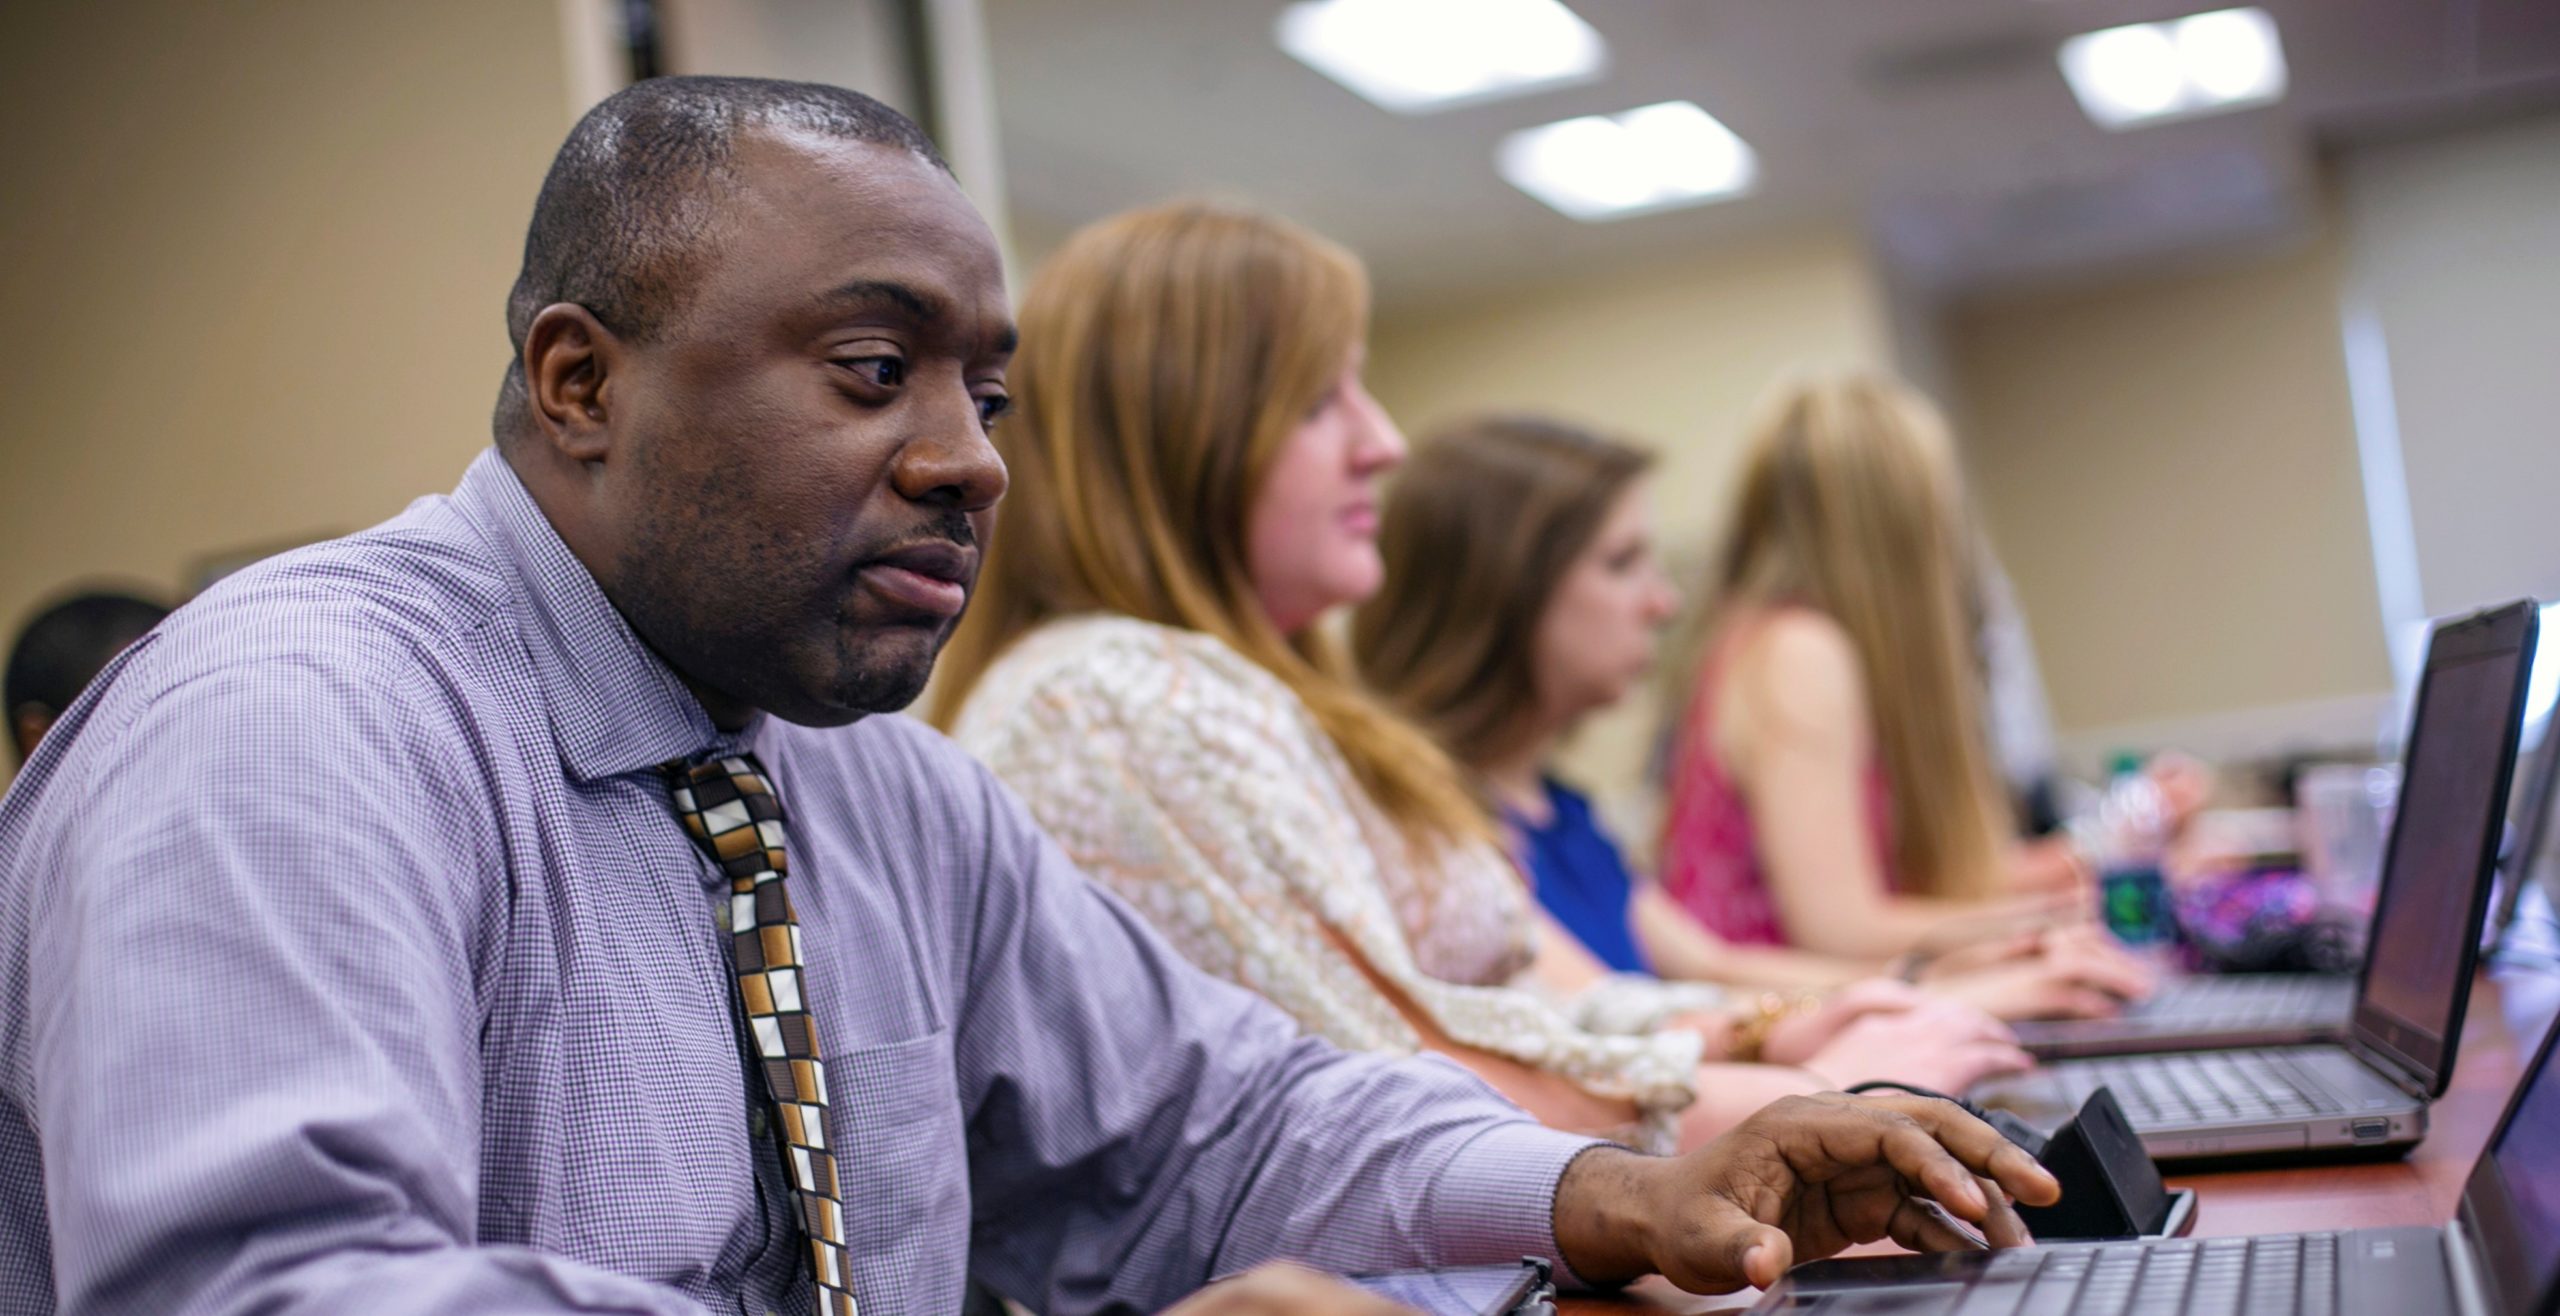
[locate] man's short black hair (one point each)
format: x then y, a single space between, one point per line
633 196
66 644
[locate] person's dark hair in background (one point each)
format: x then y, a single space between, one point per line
61 648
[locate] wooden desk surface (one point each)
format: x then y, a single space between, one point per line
2507 1017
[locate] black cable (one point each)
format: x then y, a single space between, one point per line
1889 1085
2016 1130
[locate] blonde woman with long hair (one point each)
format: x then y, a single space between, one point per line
1194 461
1523 595
1832 788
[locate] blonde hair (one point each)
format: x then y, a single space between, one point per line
1168 354
1480 529
1851 503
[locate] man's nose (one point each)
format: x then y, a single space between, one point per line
954 464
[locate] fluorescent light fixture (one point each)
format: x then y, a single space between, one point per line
1657 157
2151 72
1411 56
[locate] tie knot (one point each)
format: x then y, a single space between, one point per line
738 769
730 809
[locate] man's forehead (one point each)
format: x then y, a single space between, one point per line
838 213
802 177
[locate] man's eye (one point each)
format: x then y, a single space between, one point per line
992 406
885 371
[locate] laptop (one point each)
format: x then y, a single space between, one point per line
2201 1012
2204 1011
2500 1256
2531 860
2370 1090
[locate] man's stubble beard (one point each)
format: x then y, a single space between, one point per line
881 682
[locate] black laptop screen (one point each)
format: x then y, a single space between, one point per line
2435 888
2448 796
2512 1204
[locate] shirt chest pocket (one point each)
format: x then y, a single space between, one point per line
902 1161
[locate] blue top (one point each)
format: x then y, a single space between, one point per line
1582 878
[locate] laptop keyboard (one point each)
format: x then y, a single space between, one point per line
2278 1275
2240 1000
2205 1086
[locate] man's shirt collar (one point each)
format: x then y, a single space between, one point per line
616 707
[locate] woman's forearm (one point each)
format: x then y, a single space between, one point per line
1889 926
1676 945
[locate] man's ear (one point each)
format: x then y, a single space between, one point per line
568 356
27 724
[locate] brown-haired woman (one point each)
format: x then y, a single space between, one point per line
1832 788
1522 596
1194 459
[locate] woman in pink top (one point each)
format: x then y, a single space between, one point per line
1711 859
1830 787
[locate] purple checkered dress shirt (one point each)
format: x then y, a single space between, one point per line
352 961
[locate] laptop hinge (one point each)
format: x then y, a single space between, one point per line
2401 1073
2469 1296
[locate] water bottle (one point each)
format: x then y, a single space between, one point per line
2131 834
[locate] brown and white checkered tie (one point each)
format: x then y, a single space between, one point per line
730 808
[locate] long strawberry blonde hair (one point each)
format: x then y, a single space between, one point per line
1851 503
1167 355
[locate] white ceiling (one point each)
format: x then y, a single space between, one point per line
1940 127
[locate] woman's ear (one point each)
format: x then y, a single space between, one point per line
568 354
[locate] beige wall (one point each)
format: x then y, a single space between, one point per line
2454 258
257 261
2168 467
1673 356
2166 462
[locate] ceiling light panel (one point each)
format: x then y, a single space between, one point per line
2148 73
1414 56
1657 157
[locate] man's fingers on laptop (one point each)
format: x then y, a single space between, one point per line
1920 1226
1951 1134
1721 1244
1281 1289
2004 1227
1830 1170
1761 1254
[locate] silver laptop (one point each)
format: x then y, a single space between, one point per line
2202 1011
2370 1090
2499 1257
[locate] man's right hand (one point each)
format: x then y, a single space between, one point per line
1802 1179
1280 1289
